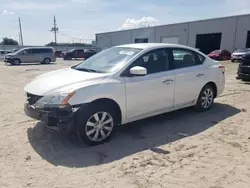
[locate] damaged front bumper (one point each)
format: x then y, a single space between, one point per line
60 118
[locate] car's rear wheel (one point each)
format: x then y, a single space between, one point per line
47 61
206 98
96 124
16 62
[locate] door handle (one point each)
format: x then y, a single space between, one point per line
199 75
169 81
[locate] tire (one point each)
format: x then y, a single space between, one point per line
46 61
90 124
16 62
205 99
232 60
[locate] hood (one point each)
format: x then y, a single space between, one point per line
56 80
11 54
239 53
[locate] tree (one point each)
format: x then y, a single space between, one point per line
8 41
68 44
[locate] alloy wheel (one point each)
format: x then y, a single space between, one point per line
99 126
207 98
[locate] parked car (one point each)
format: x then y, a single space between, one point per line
44 55
220 55
123 84
58 53
238 54
244 68
3 53
78 53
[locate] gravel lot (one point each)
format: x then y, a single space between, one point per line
183 149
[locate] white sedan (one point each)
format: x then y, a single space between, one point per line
123 84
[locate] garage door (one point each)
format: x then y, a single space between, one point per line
172 40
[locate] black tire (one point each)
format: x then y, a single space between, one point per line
46 61
16 62
232 61
84 116
201 104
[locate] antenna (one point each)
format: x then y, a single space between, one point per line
55 29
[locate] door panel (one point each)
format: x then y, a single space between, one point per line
188 84
149 94
190 75
153 92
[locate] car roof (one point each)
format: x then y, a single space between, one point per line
153 45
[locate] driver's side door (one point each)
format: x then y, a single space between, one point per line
26 56
153 93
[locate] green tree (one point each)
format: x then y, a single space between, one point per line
8 41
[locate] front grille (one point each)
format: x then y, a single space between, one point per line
32 99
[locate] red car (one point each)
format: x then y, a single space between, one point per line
220 55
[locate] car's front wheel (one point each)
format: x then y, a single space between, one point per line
16 62
95 124
206 98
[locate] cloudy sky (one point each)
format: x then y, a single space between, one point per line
81 19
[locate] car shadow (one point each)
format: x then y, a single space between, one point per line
128 140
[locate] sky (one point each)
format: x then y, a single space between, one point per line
79 20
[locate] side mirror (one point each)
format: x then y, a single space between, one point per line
138 71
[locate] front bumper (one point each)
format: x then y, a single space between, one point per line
7 60
243 76
236 58
56 118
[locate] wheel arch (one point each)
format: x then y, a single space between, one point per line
214 86
110 102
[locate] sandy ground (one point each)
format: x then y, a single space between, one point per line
183 149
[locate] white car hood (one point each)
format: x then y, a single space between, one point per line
55 80
239 53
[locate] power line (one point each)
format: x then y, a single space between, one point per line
55 29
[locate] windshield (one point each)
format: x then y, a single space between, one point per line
243 50
108 60
216 52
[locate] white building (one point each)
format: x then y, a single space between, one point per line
227 33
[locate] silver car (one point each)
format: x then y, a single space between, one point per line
238 54
44 55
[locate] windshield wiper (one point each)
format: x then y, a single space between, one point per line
86 70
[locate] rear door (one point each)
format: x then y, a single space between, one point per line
190 75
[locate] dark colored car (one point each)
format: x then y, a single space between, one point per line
220 55
238 54
58 53
244 68
78 53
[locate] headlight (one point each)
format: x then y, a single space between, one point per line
55 99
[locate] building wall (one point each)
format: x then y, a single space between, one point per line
143 33
242 29
226 26
175 30
107 40
234 33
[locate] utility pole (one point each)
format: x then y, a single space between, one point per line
20 31
55 29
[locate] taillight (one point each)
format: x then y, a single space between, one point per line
222 68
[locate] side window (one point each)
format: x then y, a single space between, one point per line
27 51
154 61
183 58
